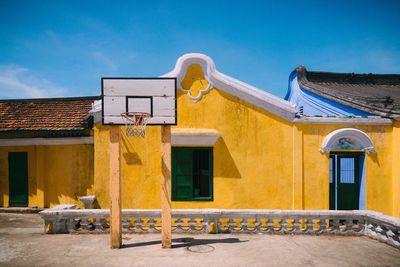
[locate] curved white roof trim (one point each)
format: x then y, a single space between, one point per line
230 85
339 120
181 67
333 138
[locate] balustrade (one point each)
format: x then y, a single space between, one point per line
373 224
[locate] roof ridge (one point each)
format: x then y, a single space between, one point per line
350 77
55 99
351 73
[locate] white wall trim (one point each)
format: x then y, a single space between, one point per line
230 85
193 136
96 111
47 141
355 134
335 120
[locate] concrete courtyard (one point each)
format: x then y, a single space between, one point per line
23 243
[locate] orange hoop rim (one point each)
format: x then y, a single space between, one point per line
131 116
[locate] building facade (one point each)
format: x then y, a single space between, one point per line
238 147
46 151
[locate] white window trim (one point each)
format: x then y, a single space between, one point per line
194 136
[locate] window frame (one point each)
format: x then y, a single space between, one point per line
211 174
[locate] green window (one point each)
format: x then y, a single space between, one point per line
192 174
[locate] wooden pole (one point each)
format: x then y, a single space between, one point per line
115 188
166 185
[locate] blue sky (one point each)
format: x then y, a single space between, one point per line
63 48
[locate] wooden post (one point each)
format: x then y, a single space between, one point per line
40 163
115 188
166 185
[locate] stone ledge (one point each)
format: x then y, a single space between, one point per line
20 210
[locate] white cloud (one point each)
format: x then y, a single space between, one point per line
105 60
51 34
131 55
384 61
17 82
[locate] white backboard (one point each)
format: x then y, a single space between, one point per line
156 96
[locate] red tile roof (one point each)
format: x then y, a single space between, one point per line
46 114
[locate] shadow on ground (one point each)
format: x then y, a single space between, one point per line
187 242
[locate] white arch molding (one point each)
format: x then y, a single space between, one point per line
183 64
230 85
347 138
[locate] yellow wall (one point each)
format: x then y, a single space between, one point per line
378 167
140 166
243 177
261 161
396 169
57 174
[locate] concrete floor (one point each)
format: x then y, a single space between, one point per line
22 243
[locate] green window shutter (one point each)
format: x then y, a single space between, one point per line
192 173
182 173
201 174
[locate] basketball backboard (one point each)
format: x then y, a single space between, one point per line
156 96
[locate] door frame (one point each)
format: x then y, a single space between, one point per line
360 177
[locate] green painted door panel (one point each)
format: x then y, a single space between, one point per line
347 199
347 182
182 173
332 182
18 178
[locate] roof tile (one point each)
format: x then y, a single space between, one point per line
47 114
374 93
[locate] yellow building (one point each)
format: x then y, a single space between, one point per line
46 151
234 147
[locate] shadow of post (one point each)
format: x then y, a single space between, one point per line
187 242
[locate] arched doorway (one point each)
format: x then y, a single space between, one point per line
347 148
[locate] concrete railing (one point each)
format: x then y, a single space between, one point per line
370 223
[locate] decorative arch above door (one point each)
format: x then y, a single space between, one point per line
347 138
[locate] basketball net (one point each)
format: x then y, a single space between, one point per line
135 123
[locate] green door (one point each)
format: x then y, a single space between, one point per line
344 181
18 178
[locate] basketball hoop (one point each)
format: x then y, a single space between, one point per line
135 123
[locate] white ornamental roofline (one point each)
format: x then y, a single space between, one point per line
244 91
230 85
